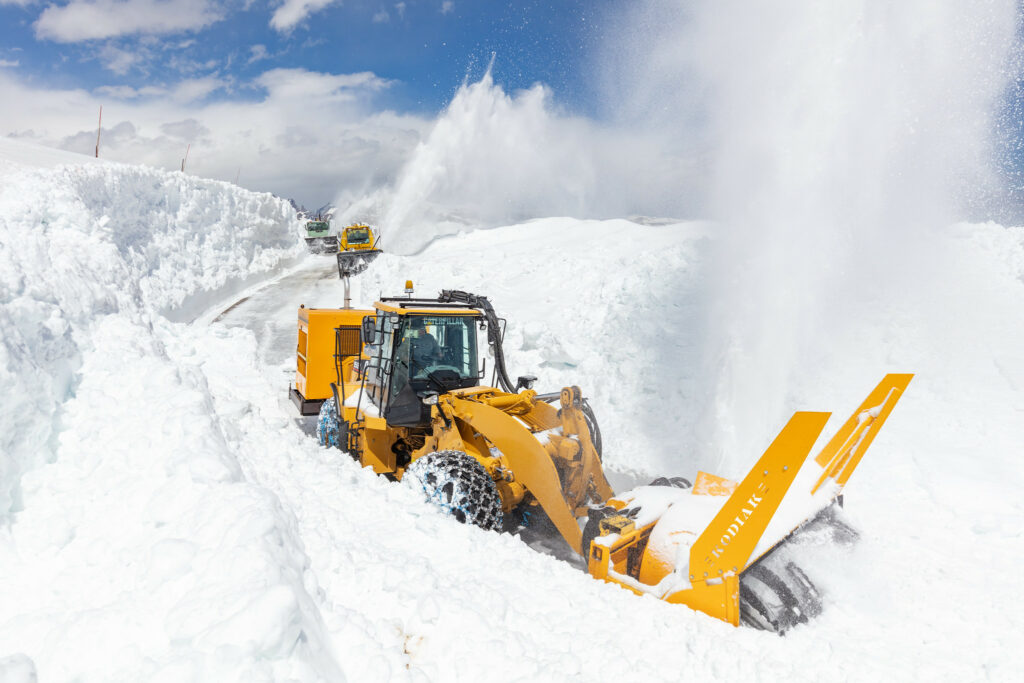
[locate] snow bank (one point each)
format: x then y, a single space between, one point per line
141 553
81 242
133 547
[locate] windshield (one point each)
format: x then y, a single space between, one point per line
360 236
430 344
318 226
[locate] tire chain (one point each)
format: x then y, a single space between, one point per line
473 492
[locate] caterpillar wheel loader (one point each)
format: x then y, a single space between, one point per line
402 389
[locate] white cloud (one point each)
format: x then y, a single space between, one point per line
256 53
193 89
381 17
309 135
124 92
299 83
183 92
189 129
291 12
117 60
96 19
7 63
400 8
447 7
19 3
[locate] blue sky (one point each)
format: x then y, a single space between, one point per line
297 97
313 99
425 48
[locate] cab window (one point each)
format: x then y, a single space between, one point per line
434 343
361 236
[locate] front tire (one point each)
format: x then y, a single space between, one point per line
328 430
459 486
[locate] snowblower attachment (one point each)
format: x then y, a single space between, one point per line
708 546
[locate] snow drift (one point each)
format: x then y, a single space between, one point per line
79 243
120 497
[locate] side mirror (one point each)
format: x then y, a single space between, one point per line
369 331
525 382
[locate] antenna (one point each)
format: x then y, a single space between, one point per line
186 157
99 128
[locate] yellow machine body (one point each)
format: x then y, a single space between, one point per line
319 332
689 546
357 237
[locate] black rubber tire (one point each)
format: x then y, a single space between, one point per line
777 596
677 482
459 486
328 430
592 529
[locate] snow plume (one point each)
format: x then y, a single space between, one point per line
490 158
838 136
494 158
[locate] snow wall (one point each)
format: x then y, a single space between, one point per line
78 243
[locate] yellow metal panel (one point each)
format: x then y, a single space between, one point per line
726 543
343 242
378 423
844 451
710 485
527 459
315 369
376 451
392 308
719 600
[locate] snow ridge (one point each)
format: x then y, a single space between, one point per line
81 242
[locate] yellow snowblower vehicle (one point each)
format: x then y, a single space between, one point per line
401 389
357 246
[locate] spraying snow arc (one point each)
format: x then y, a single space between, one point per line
491 158
839 135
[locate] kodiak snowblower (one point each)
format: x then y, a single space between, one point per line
402 389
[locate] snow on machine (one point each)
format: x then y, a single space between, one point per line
401 388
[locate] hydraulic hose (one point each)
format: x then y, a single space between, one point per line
493 330
494 340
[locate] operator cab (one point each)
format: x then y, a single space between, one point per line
357 235
419 353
